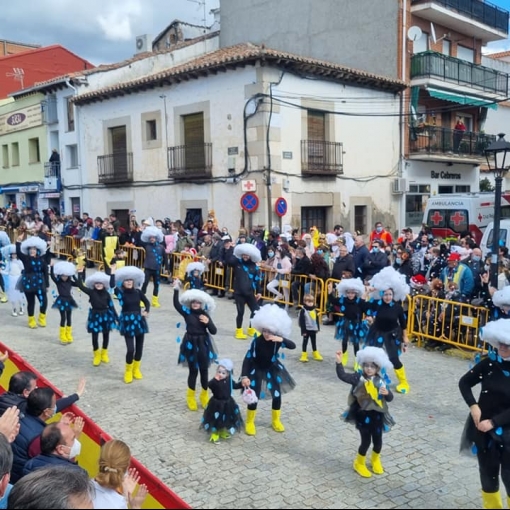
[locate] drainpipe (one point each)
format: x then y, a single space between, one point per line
403 117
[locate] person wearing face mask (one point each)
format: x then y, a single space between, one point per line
475 263
155 260
487 429
381 234
278 266
375 260
59 446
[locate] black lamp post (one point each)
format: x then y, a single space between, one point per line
498 162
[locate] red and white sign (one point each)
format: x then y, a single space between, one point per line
249 185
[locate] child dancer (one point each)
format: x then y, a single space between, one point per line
308 320
368 405
222 416
155 256
4 241
132 320
12 269
262 369
102 315
197 347
194 272
349 327
63 275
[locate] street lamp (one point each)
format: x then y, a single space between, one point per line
497 162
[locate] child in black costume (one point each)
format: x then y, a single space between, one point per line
308 320
222 416
194 272
368 408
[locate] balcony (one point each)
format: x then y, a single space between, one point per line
190 161
52 169
440 143
431 68
481 20
319 157
115 168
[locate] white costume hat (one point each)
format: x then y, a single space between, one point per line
97 277
496 332
8 250
502 297
4 238
207 301
130 273
34 242
195 266
149 232
248 249
373 355
63 268
347 284
388 278
226 363
274 319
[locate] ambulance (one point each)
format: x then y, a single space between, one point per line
452 214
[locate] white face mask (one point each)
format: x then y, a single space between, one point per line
75 449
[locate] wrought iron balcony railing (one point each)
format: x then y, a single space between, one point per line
115 168
319 157
193 161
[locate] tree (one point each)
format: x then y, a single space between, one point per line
486 184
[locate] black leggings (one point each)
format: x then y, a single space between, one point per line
65 318
43 302
276 404
345 345
397 364
368 436
151 273
192 378
95 340
2 284
312 335
489 464
132 352
241 301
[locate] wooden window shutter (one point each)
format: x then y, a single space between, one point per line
316 125
194 148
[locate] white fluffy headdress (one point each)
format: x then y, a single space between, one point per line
195 266
130 273
502 297
460 250
8 250
273 318
496 332
97 277
149 232
386 279
63 268
248 249
34 242
226 363
207 301
347 284
4 238
375 355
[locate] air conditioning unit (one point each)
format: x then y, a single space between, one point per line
143 43
399 186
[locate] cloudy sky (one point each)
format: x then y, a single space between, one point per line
102 31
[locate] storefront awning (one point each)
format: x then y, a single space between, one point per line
9 189
460 98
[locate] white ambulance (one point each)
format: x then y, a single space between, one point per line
452 214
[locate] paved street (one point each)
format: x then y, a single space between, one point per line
308 466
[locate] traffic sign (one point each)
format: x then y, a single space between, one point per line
280 207
249 185
249 202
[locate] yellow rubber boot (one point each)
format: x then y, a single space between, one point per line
360 466
250 423
128 374
97 358
104 356
136 370
155 302
304 357
276 423
376 464
3 297
190 400
224 434
41 320
69 334
215 438
252 331
317 356
204 398
31 322
403 387
63 336
492 500
345 358
240 334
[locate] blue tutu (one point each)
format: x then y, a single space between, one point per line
63 303
132 324
102 320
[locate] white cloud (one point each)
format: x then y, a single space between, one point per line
116 21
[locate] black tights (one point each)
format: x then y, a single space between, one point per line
132 351
192 378
368 436
241 301
43 302
397 364
345 345
312 335
489 464
95 340
65 318
151 273
275 406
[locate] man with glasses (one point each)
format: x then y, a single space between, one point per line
375 260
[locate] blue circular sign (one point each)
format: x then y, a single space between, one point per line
249 202
280 207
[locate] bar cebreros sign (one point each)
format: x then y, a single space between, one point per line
21 119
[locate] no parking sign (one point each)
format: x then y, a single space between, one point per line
249 202
280 207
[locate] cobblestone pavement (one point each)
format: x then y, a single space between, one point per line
309 465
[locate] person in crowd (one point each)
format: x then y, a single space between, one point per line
381 234
247 289
319 272
403 263
435 263
12 271
34 279
152 239
222 416
116 482
359 254
458 133
368 405
308 320
63 275
262 369
102 316
278 265
4 258
109 243
460 274
6 459
300 270
194 272
197 349
132 319
226 253
375 261
119 260
486 432
343 262
388 320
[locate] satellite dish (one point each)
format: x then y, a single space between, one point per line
414 33
433 33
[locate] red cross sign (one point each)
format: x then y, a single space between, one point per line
437 218
458 218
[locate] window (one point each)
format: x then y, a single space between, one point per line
360 218
313 217
34 155
194 139
447 47
421 44
462 188
70 114
466 54
72 156
416 200
444 189
151 131
5 156
15 154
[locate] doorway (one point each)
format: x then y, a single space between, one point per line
313 217
195 216
122 217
